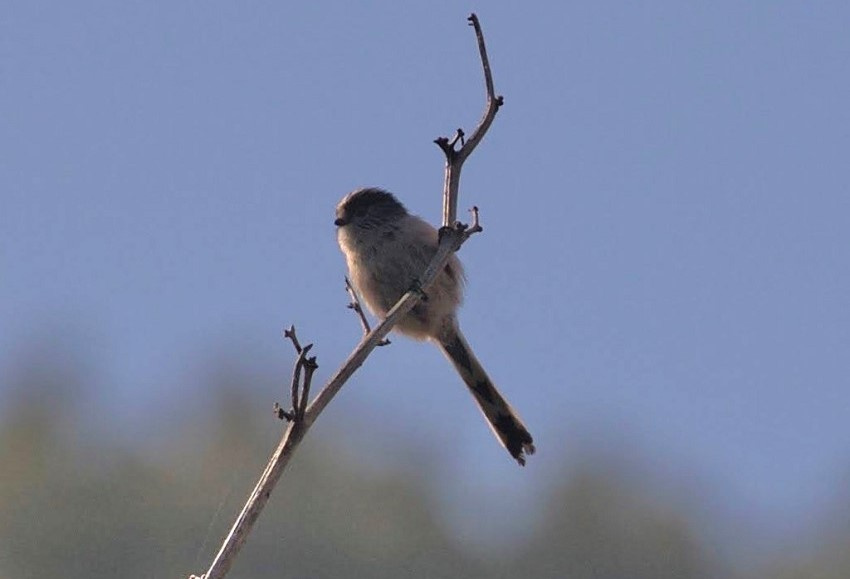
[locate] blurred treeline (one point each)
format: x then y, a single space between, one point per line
73 505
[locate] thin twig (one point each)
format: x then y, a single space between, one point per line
452 236
358 309
290 334
299 390
476 225
459 136
296 380
310 366
455 158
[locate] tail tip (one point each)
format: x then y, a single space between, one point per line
527 449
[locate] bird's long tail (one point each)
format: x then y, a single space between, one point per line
503 420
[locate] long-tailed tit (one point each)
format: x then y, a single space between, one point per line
387 249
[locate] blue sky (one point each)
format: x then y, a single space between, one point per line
664 266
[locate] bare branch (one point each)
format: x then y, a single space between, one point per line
455 158
449 243
452 235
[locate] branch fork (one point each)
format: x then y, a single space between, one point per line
456 157
300 388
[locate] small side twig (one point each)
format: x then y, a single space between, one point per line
475 227
290 334
282 414
296 380
310 366
299 389
358 309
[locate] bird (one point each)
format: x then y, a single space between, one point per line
386 249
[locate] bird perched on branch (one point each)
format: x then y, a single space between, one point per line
387 249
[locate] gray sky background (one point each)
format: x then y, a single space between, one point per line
663 272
